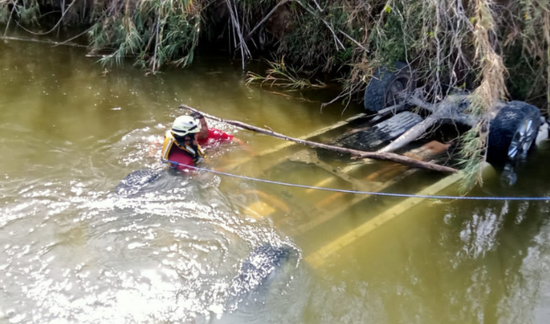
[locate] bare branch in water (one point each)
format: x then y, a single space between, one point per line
354 153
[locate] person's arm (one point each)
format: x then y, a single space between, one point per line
203 133
223 137
243 144
217 134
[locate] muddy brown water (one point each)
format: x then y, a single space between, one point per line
73 252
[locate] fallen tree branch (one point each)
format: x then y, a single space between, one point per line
63 12
43 41
356 42
68 41
355 153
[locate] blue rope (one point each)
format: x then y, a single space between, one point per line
373 193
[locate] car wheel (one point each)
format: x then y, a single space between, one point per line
387 85
512 133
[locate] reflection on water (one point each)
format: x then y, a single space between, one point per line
166 255
75 250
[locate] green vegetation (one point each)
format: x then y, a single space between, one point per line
281 75
497 48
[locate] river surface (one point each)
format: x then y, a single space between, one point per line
72 250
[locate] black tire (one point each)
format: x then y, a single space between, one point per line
510 119
380 92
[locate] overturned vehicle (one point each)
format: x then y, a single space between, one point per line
402 116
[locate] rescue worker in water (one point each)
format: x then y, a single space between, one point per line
181 148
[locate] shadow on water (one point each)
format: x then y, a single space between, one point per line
173 249
268 280
260 292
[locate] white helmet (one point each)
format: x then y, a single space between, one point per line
184 125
